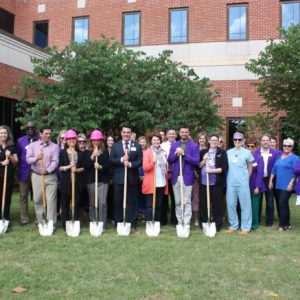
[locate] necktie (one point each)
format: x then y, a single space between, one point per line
126 146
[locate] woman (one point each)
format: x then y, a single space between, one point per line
8 157
257 186
101 165
154 160
81 145
214 162
239 172
70 162
202 142
283 169
142 140
110 197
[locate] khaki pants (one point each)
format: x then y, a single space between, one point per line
51 195
24 191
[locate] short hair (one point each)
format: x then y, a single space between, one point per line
171 129
266 134
45 127
184 126
289 141
127 125
156 134
273 138
215 135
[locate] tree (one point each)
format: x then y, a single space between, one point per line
278 71
102 85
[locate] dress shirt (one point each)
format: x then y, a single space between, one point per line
265 156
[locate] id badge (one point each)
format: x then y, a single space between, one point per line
234 159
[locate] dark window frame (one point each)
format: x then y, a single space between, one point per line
9 14
73 26
187 24
34 27
124 14
285 2
247 21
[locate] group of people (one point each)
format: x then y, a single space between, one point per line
237 178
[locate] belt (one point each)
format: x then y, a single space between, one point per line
42 174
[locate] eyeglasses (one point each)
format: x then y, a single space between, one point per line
251 146
288 146
237 140
221 142
81 142
71 139
30 127
214 140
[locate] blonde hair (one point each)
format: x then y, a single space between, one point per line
289 141
59 136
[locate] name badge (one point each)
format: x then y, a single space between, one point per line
234 160
255 164
132 149
270 155
26 147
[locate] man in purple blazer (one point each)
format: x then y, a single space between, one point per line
190 159
24 169
269 157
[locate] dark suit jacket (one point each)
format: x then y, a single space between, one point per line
135 158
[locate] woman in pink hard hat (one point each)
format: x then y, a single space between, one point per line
97 160
70 160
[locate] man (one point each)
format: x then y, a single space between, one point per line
132 160
269 156
189 152
166 146
24 169
42 155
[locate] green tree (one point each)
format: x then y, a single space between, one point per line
278 71
102 84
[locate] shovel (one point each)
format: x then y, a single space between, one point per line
183 231
96 227
124 228
4 223
73 227
209 229
45 227
152 227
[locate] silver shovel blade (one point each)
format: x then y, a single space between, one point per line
96 228
183 231
123 228
209 229
73 228
152 228
46 227
3 225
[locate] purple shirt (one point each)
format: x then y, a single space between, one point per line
257 175
24 167
297 172
51 153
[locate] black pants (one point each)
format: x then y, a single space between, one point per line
159 200
110 202
9 190
284 197
131 205
65 208
165 206
216 194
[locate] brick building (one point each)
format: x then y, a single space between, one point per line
216 38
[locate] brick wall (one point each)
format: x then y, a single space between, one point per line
8 5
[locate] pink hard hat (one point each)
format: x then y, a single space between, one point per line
96 135
70 134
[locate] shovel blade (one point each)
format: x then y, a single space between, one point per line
3 225
73 228
183 231
209 229
96 228
152 228
123 228
46 227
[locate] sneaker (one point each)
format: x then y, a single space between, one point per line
243 232
196 223
230 230
280 229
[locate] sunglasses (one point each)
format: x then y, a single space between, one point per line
221 142
288 146
71 139
81 142
237 140
30 127
250 146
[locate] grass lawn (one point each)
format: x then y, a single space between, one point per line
263 265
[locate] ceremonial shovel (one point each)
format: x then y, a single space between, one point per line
183 231
73 227
152 227
4 223
96 227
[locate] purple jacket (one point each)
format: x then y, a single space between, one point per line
273 154
189 161
24 167
297 172
256 179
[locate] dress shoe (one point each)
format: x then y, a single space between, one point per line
134 231
230 230
243 232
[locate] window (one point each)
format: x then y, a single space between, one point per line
237 22
41 34
80 29
290 14
6 21
178 25
131 28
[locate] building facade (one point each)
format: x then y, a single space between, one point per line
216 38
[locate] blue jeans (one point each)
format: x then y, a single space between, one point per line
243 194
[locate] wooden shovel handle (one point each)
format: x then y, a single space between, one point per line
43 183
154 192
207 194
125 190
4 188
96 184
73 178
